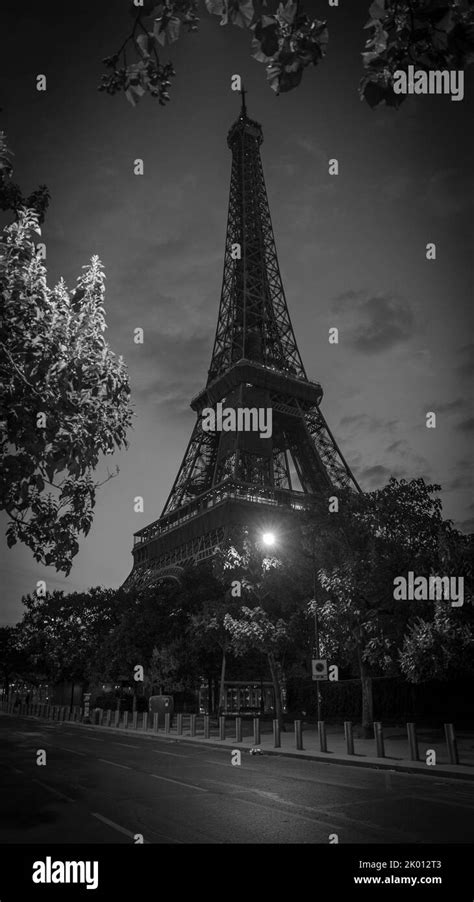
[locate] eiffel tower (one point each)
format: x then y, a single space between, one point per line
230 478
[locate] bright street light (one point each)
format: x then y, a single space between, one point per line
268 538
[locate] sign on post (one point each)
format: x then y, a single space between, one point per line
319 669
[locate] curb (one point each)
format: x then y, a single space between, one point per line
325 757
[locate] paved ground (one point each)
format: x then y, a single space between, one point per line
104 787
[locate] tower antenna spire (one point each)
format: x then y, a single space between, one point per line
243 111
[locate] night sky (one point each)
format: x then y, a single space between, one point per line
352 248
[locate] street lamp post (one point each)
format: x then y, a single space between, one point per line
316 628
269 539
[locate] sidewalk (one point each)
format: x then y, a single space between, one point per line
396 749
395 740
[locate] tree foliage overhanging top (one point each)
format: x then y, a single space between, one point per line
427 34
285 40
430 34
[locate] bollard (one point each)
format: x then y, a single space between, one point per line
108 717
238 729
155 722
378 733
451 742
323 745
179 724
167 722
192 724
412 741
134 720
349 737
276 735
117 718
222 726
256 731
145 721
298 734
64 713
125 720
207 726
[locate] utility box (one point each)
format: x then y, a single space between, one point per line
161 705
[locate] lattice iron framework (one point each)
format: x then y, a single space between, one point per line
255 363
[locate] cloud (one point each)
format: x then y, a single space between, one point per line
465 425
169 369
466 356
446 406
373 323
466 526
397 446
402 449
377 475
449 191
464 476
363 422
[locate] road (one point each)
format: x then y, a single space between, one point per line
99 787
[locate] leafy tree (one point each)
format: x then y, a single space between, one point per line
13 663
11 196
163 671
262 619
427 34
255 629
371 540
287 41
431 34
62 634
439 649
65 398
155 622
209 630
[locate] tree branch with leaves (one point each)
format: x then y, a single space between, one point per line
65 397
431 34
